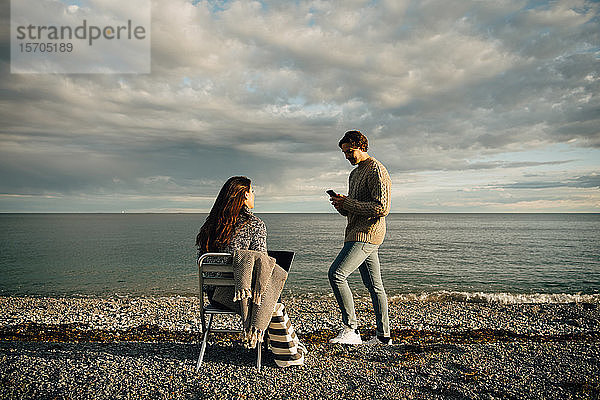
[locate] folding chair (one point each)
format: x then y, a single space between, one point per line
283 258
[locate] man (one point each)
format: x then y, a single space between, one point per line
367 204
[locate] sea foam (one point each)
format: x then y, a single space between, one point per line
501 298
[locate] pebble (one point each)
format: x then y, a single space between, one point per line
442 350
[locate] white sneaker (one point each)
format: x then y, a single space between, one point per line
375 341
347 336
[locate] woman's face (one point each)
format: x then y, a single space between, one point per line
249 202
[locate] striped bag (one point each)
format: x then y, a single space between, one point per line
283 341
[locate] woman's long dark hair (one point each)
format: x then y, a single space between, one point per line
219 227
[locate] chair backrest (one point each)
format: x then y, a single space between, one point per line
225 270
206 266
224 277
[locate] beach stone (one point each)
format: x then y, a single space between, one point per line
147 347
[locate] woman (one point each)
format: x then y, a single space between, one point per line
231 226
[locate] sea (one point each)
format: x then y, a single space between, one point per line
506 258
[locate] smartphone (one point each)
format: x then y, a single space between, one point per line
332 193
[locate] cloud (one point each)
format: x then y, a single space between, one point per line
590 181
267 89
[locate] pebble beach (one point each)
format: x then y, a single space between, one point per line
147 347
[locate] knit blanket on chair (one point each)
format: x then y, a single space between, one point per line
259 281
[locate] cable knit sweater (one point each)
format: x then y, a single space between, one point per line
368 202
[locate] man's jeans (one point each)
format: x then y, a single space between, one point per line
363 256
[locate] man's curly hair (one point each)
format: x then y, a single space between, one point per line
356 139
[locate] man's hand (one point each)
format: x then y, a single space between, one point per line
337 201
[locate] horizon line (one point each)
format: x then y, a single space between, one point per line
306 212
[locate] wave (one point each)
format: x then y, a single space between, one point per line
500 298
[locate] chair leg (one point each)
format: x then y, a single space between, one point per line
259 346
203 319
204 340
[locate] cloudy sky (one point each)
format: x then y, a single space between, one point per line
473 106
